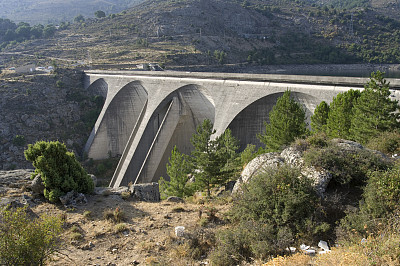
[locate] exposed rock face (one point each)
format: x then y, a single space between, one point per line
41 107
14 179
146 192
73 198
294 157
289 156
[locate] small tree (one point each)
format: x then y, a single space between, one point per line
79 18
214 161
320 117
100 14
374 111
340 114
287 121
178 170
25 240
59 169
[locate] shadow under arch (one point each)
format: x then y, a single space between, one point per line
114 126
172 123
99 87
250 121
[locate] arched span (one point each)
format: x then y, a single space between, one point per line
172 123
250 121
117 122
99 87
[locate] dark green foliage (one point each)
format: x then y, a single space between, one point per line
320 117
340 114
276 209
59 169
19 140
277 197
79 19
374 111
287 122
246 241
381 199
382 193
387 142
100 14
178 170
347 166
262 57
213 160
25 240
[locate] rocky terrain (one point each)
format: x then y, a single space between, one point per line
43 107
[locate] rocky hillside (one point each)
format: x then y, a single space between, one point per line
216 32
56 11
43 107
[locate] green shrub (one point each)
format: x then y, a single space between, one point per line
26 241
346 166
386 142
382 193
276 208
59 169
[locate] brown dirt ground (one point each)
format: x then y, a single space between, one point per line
149 237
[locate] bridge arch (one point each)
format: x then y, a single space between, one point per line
99 87
250 120
117 120
173 122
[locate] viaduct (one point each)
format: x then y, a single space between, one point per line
146 113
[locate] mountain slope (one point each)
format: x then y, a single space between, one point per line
212 32
56 11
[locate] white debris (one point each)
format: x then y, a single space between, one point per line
304 247
323 244
179 231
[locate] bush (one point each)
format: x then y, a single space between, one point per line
382 193
26 241
59 169
19 140
387 142
346 166
276 208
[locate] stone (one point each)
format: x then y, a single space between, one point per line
146 192
180 231
323 244
37 185
175 199
73 199
256 166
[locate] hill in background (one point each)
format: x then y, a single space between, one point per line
56 11
222 32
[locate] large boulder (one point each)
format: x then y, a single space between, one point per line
146 192
289 156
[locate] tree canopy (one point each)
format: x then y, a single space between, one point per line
59 169
287 121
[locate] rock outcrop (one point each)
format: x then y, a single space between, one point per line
294 157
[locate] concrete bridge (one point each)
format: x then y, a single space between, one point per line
146 113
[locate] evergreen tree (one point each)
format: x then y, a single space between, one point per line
340 114
320 117
374 111
213 160
287 121
59 169
178 170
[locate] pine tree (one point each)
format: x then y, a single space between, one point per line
341 113
287 121
374 111
213 160
178 170
320 117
